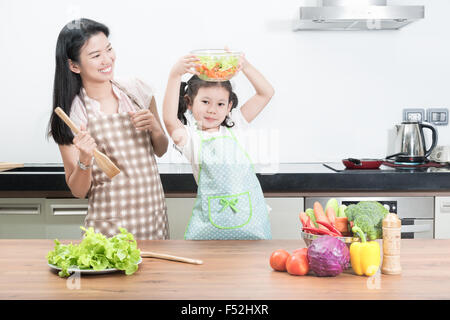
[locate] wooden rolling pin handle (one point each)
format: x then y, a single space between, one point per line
170 257
67 120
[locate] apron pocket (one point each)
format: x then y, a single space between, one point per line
230 212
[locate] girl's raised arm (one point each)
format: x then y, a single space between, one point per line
174 126
264 91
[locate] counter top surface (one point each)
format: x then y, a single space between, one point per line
283 177
231 270
262 169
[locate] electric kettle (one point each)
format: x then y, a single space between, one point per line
410 142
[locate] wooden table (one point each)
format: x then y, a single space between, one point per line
232 270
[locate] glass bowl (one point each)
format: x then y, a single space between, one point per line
217 64
309 237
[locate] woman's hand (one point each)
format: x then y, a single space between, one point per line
186 64
144 120
85 145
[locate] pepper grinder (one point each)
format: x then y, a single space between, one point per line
392 227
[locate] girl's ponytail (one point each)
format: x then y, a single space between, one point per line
182 104
234 102
233 99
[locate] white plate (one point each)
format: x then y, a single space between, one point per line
87 271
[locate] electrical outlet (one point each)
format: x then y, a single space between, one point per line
414 115
438 116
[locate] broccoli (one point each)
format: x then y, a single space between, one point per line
368 215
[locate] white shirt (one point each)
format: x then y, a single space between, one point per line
144 92
192 146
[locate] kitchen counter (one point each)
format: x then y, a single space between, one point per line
49 181
231 270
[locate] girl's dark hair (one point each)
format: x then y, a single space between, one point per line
189 90
67 84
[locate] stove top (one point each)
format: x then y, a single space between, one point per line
392 166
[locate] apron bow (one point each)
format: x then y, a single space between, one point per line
229 203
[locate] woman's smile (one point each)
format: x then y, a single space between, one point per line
106 70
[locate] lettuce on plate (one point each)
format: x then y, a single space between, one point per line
97 252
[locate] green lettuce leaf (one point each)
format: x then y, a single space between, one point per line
97 252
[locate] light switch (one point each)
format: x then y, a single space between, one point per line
414 115
438 116
435 116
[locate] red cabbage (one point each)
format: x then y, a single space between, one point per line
328 256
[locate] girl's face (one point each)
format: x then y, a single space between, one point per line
96 60
210 107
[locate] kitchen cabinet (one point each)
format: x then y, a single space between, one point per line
442 217
64 218
284 217
41 218
283 214
179 211
416 213
22 218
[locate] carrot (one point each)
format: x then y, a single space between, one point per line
331 215
341 224
320 215
304 219
330 227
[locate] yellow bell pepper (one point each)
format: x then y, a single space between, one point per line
364 256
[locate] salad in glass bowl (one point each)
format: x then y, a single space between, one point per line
217 64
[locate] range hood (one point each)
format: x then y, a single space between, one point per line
357 15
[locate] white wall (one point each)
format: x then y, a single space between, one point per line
338 94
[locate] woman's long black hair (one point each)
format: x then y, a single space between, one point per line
66 83
189 90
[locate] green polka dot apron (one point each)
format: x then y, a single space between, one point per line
230 204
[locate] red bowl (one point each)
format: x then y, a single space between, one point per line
364 164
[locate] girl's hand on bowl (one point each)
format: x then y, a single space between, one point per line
186 64
243 63
242 60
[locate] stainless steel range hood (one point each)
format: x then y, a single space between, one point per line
357 15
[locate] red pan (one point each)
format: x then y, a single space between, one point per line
352 163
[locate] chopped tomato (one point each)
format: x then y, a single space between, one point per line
215 72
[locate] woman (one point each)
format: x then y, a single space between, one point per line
120 119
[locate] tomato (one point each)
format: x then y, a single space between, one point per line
303 251
297 264
278 259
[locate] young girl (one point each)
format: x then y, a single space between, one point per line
121 120
230 203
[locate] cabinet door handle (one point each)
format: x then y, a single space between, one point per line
34 209
416 228
445 206
69 209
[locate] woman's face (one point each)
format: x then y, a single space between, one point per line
210 107
96 60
